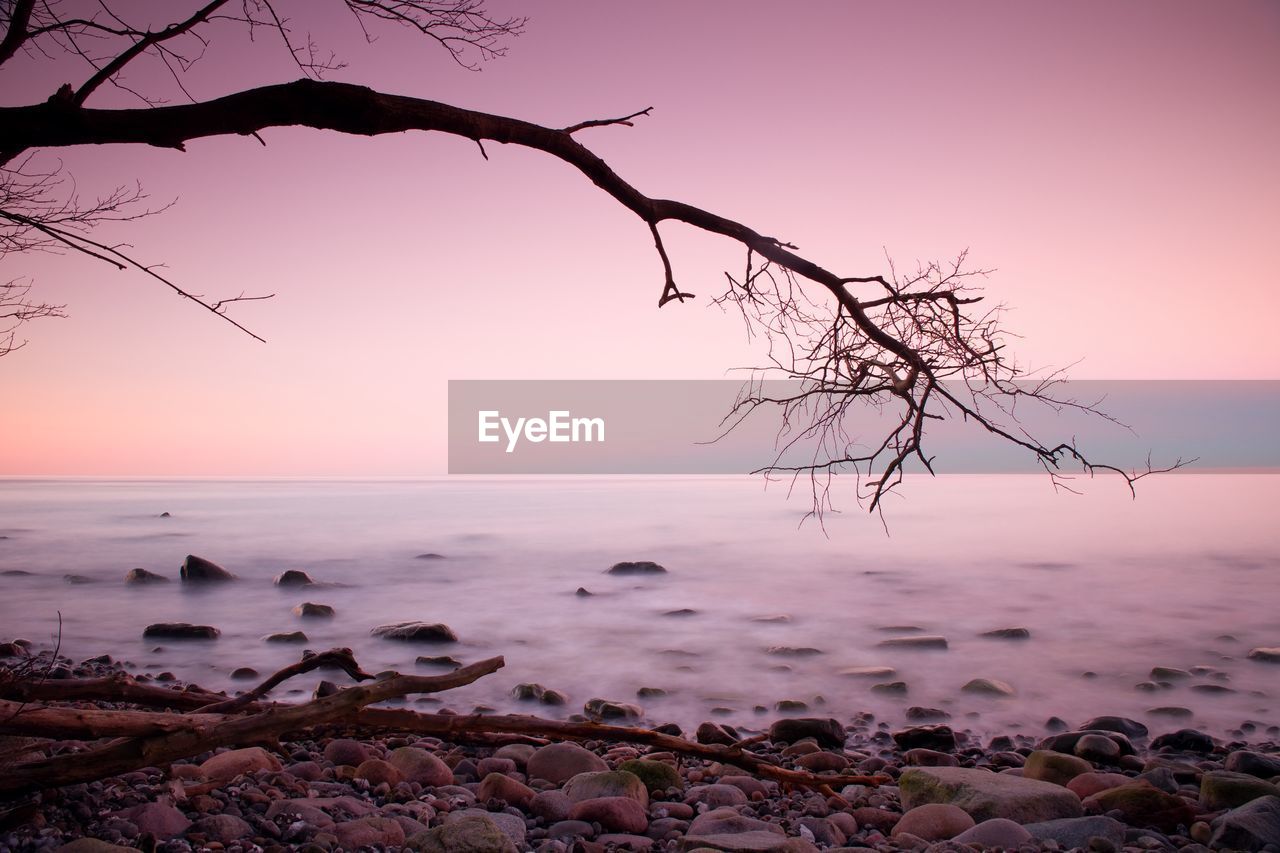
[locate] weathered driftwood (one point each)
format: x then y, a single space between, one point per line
205 721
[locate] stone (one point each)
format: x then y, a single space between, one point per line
286 637
498 786
934 822
1185 740
293 577
727 821
181 631
416 632
1250 827
511 825
1168 673
1007 634
1254 763
792 651
571 829
595 784
1088 784
1142 805
821 761
920 641
748 785
199 570
868 672
159 819
746 842
1265 654
520 753
1222 789
442 661
921 757
715 796
91 845
225 766
310 610
142 576
222 828
712 733
418 765
1066 741
988 687
472 833
986 795
1123 725
997 832
244 673
551 806
376 772
827 732
1098 749
605 709
640 567
371 831
940 738
559 762
655 775
891 688
1075 832
616 814
344 751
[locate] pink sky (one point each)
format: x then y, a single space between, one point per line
1115 162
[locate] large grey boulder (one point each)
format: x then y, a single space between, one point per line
985 795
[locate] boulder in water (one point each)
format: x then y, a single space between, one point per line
639 567
293 577
416 632
199 570
181 631
142 576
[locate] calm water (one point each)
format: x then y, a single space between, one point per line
1185 576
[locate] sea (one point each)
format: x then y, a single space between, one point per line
1109 586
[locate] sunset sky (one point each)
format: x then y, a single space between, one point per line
1115 163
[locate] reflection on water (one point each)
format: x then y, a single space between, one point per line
1184 577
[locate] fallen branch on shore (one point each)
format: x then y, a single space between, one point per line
190 722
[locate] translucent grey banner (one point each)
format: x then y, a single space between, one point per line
681 427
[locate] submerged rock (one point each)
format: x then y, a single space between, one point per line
142 576
1007 634
1265 654
1123 725
181 631
640 567
286 637
443 661
416 632
199 570
868 672
988 687
293 577
310 609
607 709
924 641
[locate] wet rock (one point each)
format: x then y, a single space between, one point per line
418 765
934 822
920 757
997 832
1223 789
583 592
559 762
605 709
370 831
868 672
1075 832
181 631
572 828
715 796
430 555
1252 826
1168 673
790 705
923 641
1142 805
551 806
1097 748
376 772
442 661
1066 742
1088 784
825 731
650 693
1125 726
199 570
1008 634
1254 763
683 611
617 814
917 713
986 795
988 687
1185 740
655 775
286 637
821 762
309 609
159 819
1056 767
517 752
891 688
940 738
640 567
792 651
225 766
344 751
416 632
746 842
1176 712
222 828
711 733
293 577
142 576
1265 654
498 786
596 784
244 673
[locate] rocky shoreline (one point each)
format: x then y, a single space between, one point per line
1106 784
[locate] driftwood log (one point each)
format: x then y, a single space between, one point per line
177 724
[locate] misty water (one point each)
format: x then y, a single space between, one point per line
1185 576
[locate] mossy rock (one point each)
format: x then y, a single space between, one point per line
656 775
